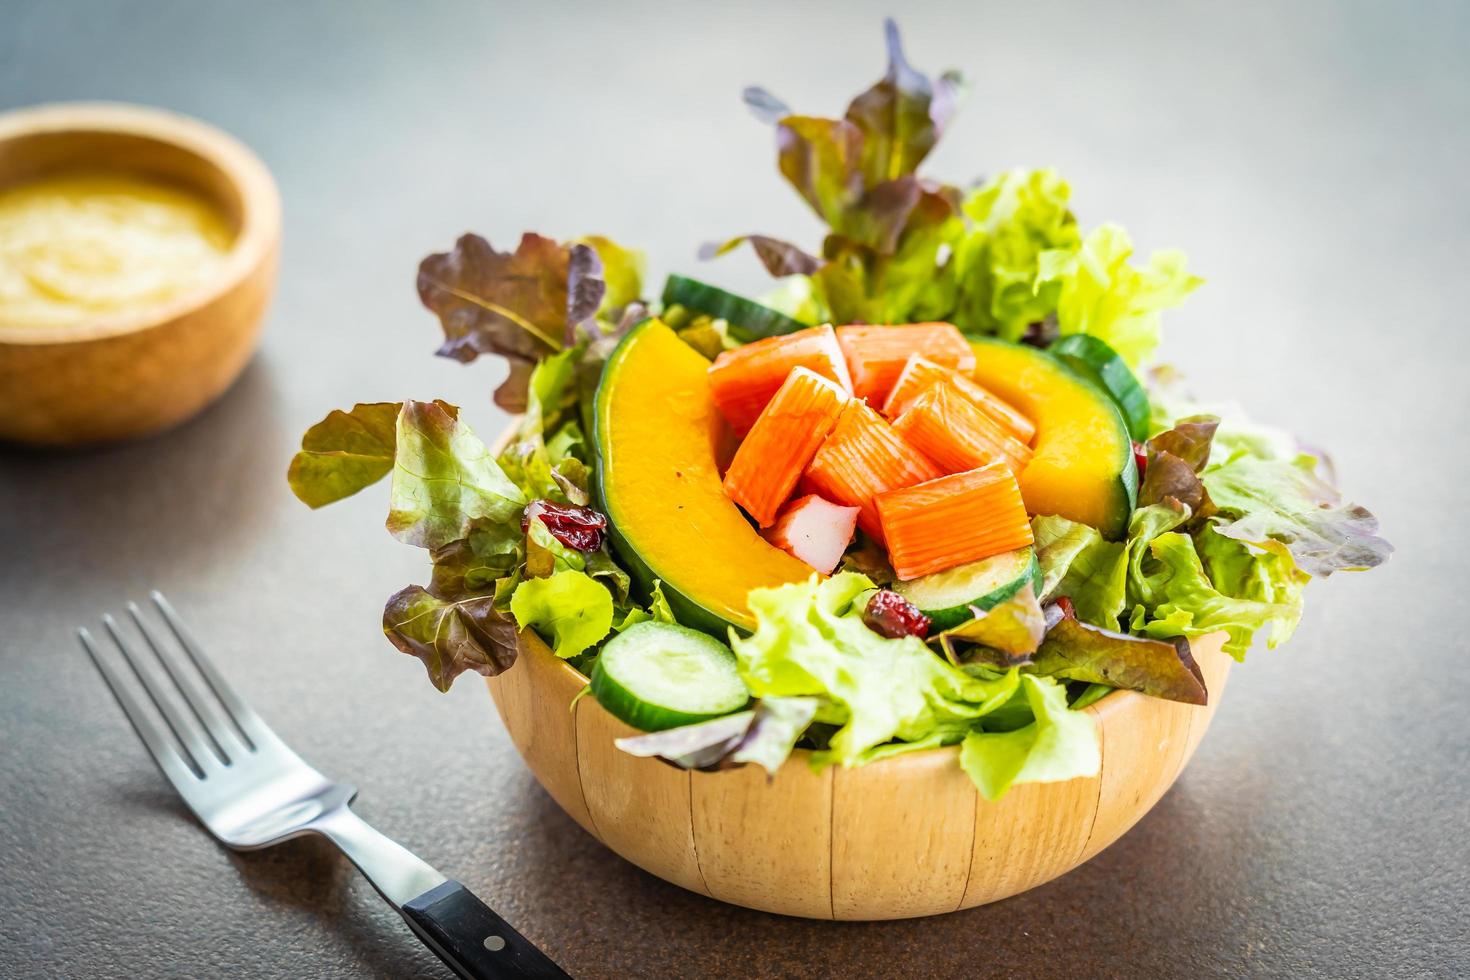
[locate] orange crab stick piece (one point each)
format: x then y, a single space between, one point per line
953 520
919 373
742 380
876 355
947 427
862 458
782 442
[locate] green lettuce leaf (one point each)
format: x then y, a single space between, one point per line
810 641
1059 744
570 608
1101 293
1009 632
450 637
444 479
345 452
1015 217
470 566
1077 562
1284 502
1186 603
543 469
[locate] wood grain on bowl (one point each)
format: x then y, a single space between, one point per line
907 836
140 371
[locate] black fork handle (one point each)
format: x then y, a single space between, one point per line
475 942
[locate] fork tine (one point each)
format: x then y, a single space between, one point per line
222 736
178 771
247 722
187 734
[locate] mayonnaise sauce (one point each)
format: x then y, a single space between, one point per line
80 247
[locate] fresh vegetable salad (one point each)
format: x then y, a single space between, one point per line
924 493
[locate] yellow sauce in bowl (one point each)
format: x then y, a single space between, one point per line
80 247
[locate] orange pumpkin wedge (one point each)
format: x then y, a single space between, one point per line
947 427
953 520
862 458
919 373
743 380
782 443
876 355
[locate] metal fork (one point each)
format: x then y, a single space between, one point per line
251 791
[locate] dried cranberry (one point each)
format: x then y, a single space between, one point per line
890 614
579 528
1140 456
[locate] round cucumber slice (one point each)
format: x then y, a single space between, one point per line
947 597
1100 364
657 675
748 319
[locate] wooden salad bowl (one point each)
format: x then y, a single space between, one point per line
903 837
138 372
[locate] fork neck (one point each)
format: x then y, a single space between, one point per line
397 873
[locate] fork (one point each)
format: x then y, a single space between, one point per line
250 790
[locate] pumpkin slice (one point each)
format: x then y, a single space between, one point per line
947 427
782 442
876 355
919 373
658 481
956 519
1082 463
743 380
862 458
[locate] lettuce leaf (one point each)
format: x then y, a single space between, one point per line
1078 563
527 304
764 735
1281 502
551 469
1059 744
450 636
1100 293
1009 632
810 642
345 452
444 479
1015 218
1076 651
570 607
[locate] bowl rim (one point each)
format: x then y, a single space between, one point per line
260 205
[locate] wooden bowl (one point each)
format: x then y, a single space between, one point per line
907 836
141 371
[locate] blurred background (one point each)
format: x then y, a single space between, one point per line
1310 158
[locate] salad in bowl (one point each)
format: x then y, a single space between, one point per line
929 493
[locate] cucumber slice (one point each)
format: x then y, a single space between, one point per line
946 597
1100 364
748 319
657 675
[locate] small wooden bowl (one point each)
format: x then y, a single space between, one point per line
907 836
142 371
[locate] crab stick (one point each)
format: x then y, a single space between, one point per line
862 458
782 442
953 520
815 531
742 380
876 355
919 373
947 427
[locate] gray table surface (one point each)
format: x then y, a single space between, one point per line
1310 157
